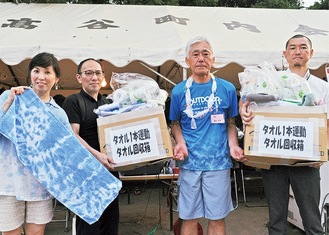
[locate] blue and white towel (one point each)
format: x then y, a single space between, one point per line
57 159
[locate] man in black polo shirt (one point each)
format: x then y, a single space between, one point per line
79 109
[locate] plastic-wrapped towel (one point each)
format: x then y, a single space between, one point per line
104 110
57 159
121 97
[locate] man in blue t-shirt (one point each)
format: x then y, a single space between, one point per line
202 112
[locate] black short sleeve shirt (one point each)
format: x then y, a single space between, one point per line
80 109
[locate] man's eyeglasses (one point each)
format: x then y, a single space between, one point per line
90 73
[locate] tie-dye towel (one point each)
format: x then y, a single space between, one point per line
57 159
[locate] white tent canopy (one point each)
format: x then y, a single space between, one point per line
126 37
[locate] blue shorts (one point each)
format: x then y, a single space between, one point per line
204 194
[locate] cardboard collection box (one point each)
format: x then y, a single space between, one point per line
136 138
286 135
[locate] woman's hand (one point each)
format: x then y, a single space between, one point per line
13 92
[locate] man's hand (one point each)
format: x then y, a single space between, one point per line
246 115
317 165
237 154
180 152
106 161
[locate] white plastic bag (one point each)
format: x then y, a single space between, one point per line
265 79
134 88
261 79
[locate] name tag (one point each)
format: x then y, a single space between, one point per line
217 118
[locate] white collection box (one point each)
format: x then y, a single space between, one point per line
136 138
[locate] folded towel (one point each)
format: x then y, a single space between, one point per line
308 100
57 159
261 98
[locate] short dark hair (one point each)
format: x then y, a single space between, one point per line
299 36
82 62
45 59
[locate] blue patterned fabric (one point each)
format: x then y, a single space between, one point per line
57 159
16 179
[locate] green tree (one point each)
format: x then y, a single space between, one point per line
280 4
236 3
147 2
209 3
35 1
322 5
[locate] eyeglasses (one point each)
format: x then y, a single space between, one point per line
90 73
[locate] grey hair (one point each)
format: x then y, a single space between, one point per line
197 39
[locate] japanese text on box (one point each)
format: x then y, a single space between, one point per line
288 138
132 143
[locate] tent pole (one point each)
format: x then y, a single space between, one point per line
184 73
13 74
6 84
159 74
171 69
